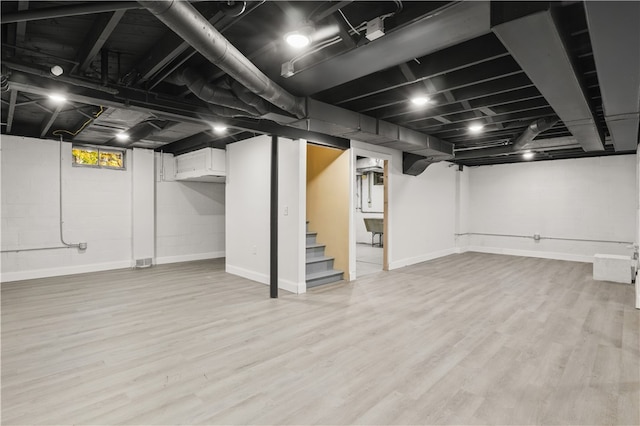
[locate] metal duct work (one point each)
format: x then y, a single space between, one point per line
536 43
615 37
534 129
189 24
312 116
211 93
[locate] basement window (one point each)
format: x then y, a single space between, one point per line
89 156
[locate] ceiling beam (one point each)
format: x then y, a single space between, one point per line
330 10
86 8
12 109
48 122
536 44
102 28
615 38
473 52
21 27
456 23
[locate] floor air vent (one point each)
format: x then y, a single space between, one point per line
143 263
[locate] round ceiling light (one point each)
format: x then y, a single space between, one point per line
122 137
420 100
476 128
57 70
57 97
528 155
218 128
297 39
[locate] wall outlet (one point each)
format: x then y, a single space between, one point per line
254 249
286 210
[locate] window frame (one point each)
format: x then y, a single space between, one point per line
99 150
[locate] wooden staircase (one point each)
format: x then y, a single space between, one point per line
319 269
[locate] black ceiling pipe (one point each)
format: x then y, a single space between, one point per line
188 23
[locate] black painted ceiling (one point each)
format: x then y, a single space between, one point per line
121 55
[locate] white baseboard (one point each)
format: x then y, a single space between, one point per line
531 253
422 258
287 285
189 257
66 270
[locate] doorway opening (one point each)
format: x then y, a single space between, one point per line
370 197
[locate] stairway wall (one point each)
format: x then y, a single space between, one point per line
328 203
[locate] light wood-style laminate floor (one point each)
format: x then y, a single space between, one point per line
465 339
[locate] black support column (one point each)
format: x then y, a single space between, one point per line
274 218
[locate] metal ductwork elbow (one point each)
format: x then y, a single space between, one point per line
534 129
213 94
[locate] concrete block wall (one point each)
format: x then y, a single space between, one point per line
190 218
96 210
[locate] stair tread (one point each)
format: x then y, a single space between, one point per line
315 245
318 259
323 274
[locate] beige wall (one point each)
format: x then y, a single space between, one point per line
328 201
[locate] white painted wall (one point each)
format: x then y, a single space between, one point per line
422 209
462 208
143 208
248 211
96 210
190 219
589 199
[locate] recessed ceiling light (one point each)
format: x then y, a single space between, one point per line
297 39
122 137
218 128
420 100
528 155
57 97
57 70
476 128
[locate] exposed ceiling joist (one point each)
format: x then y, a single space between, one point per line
70 10
536 44
615 37
460 22
166 50
429 86
99 34
12 109
21 27
546 144
333 8
48 122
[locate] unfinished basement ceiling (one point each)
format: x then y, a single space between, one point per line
124 72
